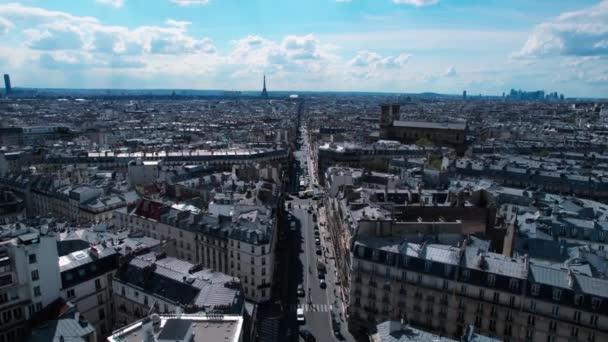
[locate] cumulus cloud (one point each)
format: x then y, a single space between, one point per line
293 53
54 30
578 33
113 3
189 2
375 60
417 3
5 26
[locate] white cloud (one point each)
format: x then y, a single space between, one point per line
450 71
177 23
578 33
189 2
417 3
5 26
113 3
53 30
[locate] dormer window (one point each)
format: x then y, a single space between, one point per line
513 284
557 294
491 279
596 303
535 289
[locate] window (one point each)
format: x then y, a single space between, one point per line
122 291
535 289
574 332
99 299
492 326
102 314
35 275
496 297
466 274
513 284
577 316
596 303
427 265
38 306
552 326
555 310
72 294
491 279
7 316
557 294
32 258
593 320
591 336
531 319
578 299
37 292
482 293
97 284
463 289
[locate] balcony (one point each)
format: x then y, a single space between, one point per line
385 300
373 283
444 301
386 287
371 296
403 291
443 315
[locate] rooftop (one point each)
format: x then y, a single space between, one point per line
203 328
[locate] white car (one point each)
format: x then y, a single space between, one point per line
300 315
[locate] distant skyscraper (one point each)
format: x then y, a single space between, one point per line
7 83
464 94
264 92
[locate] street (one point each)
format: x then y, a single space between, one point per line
321 305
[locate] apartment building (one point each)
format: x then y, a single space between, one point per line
443 289
157 283
236 239
29 277
86 281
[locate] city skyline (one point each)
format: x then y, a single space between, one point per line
401 46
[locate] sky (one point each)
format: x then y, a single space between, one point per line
406 46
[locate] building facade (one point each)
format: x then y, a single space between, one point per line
443 289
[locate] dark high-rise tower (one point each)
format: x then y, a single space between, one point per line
7 83
264 92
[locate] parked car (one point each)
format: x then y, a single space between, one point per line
301 292
319 251
322 283
307 336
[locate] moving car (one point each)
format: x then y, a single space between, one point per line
300 315
322 283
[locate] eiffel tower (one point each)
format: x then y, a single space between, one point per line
264 92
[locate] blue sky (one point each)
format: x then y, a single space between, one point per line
483 46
